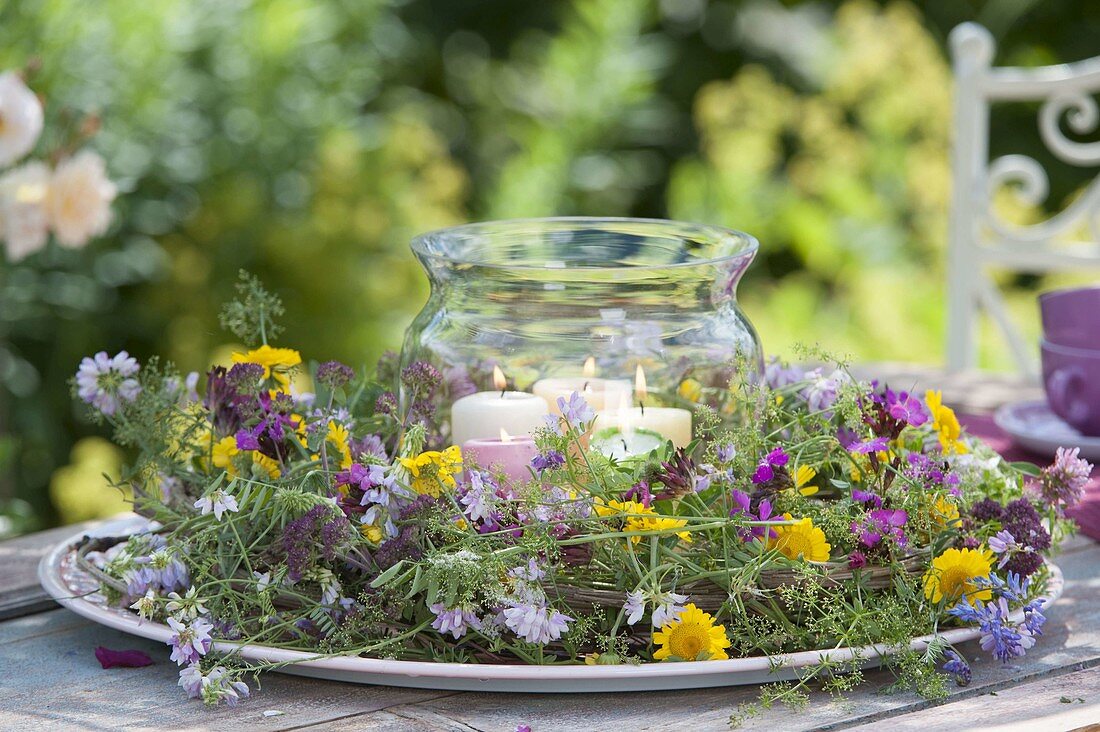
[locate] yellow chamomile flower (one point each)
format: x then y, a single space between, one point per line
270 465
224 451
945 423
690 389
338 437
371 532
433 470
276 361
945 512
801 539
953 573
640 517
692 636
802 476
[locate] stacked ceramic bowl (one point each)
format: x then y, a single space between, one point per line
1071 356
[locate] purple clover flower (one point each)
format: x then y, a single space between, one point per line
777 375
860 496
878 444
882 523
1063 482
189 642
334 374
105 382
457 620
536 622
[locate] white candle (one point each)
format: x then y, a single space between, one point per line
671 423
486 413
600 394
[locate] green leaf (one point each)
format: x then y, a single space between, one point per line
1026 468
387 575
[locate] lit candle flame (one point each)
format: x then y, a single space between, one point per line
504 436
589 367
499 381
639 384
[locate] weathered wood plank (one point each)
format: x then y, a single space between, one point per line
20 593
1062 702
52 681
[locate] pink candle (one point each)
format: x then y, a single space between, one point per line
509 455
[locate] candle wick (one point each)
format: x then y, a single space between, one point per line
625 448
502 391
585 387
642 405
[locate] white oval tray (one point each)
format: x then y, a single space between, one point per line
76 590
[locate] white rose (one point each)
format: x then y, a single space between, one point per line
20 118
79 201
23 209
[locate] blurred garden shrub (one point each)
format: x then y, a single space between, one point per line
308 141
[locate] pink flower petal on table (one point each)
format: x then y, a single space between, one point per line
124 659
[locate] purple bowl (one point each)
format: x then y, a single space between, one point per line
1071 377
1071 317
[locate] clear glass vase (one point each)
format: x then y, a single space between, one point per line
639 316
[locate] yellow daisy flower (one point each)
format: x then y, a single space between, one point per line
952 575
801 540
690 389
945 423
692 636
224 451
433 470
945 512
339 437
271 465
372 532
648 520
276 361
803 475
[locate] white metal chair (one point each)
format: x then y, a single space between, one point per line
979 238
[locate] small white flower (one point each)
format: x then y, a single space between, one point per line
634 607
20 118
23 224
668 607
262 580
146 605
79 200
188 607
217 502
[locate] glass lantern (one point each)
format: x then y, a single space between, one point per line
637 316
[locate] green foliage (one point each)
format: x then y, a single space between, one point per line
308 141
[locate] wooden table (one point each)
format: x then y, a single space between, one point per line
50 679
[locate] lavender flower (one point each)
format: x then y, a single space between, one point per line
245 377
878 444
823 390
958 668
217 502
726 452
167 569
456 621
191 679
535 622
576 411
185 391
1063 482
777 376
530 572
634 607
219 686
106 382
334 374
189 642
549 461
1003 543
1004 639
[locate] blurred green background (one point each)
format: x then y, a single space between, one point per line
308 141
